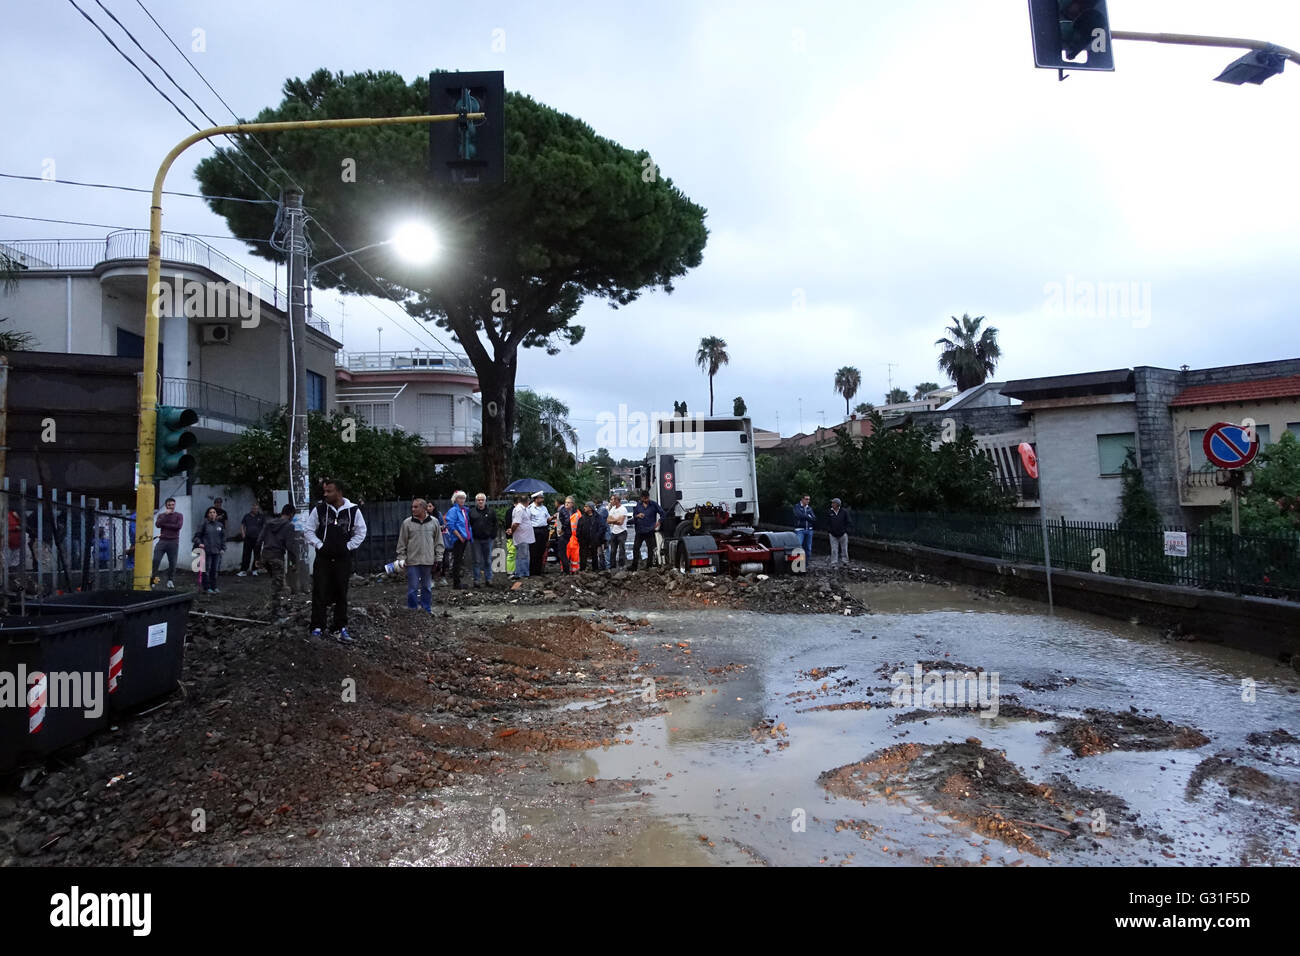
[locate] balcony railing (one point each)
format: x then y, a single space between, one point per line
133 244
410 360
215 401
457 437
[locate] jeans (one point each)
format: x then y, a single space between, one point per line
648 537
522 556
805 541
419 586
213 570
483 558
618 550
839 549
168 549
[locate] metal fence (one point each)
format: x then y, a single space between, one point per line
1263 565
60 541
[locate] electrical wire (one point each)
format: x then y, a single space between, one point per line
134 189
104 225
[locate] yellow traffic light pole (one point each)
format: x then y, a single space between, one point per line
145 493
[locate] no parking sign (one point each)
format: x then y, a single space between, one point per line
1230 446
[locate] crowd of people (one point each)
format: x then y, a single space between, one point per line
590 537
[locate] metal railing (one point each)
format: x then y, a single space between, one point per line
409 360
1265 565
133 245
60 541
216 401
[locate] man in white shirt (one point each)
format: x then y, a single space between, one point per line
540 519
617 521
521 533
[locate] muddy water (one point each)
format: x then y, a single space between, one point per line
699 784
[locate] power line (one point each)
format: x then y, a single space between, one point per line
134 189
104 225
159 91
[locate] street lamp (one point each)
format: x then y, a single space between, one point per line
415 243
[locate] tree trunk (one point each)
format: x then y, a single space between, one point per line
710 394
496 384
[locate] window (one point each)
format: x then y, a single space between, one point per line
130 345
1294 429
315 392
1112 450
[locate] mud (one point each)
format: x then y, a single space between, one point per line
981 789
1100 732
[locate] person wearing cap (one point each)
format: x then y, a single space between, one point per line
564 525
838 530
646 517
521 533
540 519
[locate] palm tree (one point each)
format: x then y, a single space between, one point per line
847 381
711 357
969 354
896 396
925 388
864 409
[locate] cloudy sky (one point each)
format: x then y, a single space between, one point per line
869 168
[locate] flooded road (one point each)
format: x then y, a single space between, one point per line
788 739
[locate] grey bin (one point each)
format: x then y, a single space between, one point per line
151 634
72 652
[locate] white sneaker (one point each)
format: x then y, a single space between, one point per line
256 573
171 585
242 574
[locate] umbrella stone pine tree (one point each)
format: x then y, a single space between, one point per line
710 357
847 381
578 215
970 354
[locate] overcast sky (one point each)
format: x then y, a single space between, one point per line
869 168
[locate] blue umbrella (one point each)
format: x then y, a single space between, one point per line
528 486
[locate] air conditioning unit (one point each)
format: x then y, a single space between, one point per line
216 335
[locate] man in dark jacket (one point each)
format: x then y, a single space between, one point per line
803 525
274 545
838 529
591 536
250 530
646 515
563 529
335 528
483 528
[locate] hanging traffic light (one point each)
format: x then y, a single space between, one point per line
171 453
466 150
1062 29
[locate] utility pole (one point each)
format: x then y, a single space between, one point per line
299 472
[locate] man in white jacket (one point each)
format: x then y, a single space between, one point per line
335 528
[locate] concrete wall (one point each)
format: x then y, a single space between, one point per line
40 305
1070 480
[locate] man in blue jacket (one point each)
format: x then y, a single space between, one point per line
803 525
646 515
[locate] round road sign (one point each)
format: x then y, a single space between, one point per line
1229 446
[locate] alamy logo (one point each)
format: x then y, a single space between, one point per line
923 688
625 429
208 300
39 690
75 909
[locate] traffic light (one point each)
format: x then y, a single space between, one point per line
171 453
468 151
1255 67
1062 29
